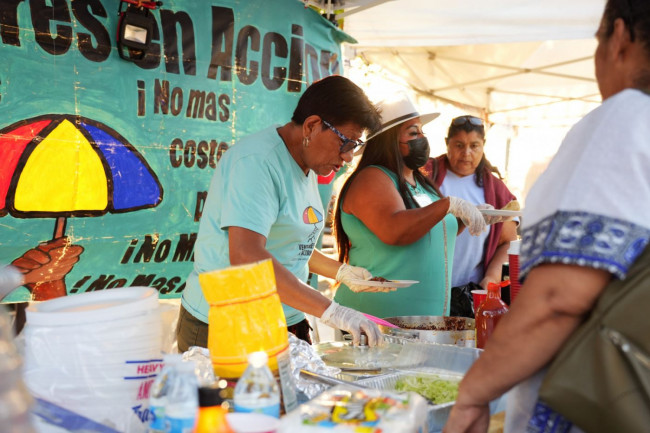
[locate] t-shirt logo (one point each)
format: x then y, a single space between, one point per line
312 216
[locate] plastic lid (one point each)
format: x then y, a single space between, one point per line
211 395
258 359
93 307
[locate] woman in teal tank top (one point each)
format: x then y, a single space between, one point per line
393 221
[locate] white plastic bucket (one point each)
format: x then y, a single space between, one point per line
96 354
93 307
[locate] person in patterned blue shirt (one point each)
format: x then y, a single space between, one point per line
586 222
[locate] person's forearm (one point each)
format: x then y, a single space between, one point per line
493 270
291 290
461 226
407 226
549 307
297 294
320 264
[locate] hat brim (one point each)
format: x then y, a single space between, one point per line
425 118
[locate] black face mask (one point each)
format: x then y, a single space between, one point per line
418 153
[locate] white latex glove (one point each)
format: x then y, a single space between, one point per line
489 219
492 219
347 319
468 214
347 274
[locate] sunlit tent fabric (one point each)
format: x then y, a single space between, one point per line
519 61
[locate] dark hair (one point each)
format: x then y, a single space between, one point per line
382 150
635 14
484 167
337 100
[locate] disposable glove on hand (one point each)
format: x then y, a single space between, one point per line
468 214
492 219
347 319
347 274
488 218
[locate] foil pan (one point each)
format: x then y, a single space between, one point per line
437 414
458 331
304 357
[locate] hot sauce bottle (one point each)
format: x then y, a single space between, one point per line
212 410
489 313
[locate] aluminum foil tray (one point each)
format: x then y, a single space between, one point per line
437 414
446 361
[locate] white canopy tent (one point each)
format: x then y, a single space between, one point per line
525 65
518 62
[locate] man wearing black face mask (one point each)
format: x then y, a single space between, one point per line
391 218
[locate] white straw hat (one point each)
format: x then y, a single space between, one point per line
399 109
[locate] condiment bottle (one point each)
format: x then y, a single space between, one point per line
212 412
489 313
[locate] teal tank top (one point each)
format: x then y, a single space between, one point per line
429 260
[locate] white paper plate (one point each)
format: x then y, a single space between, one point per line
499 212
392 283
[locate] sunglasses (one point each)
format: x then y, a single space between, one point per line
458 121
348 143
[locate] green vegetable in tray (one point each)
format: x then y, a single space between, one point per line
433 388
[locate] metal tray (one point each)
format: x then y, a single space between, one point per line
343 355
458 331
437 414
431 358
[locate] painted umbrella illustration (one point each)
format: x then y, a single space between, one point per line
312 216
61 166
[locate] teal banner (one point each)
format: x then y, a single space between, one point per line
106 154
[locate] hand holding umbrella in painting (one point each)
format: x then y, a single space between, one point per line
49 262
60 166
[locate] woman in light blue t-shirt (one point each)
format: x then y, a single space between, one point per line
263 203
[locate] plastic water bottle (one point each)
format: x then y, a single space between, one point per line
257 390
182 400
159 390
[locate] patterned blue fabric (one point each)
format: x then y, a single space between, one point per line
583 239
545 420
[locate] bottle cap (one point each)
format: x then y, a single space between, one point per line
258 359
514 247
211 395
497 286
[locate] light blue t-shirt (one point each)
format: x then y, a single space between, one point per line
257 185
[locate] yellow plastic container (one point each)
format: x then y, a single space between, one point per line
245 316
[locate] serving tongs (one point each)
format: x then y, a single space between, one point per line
329 380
